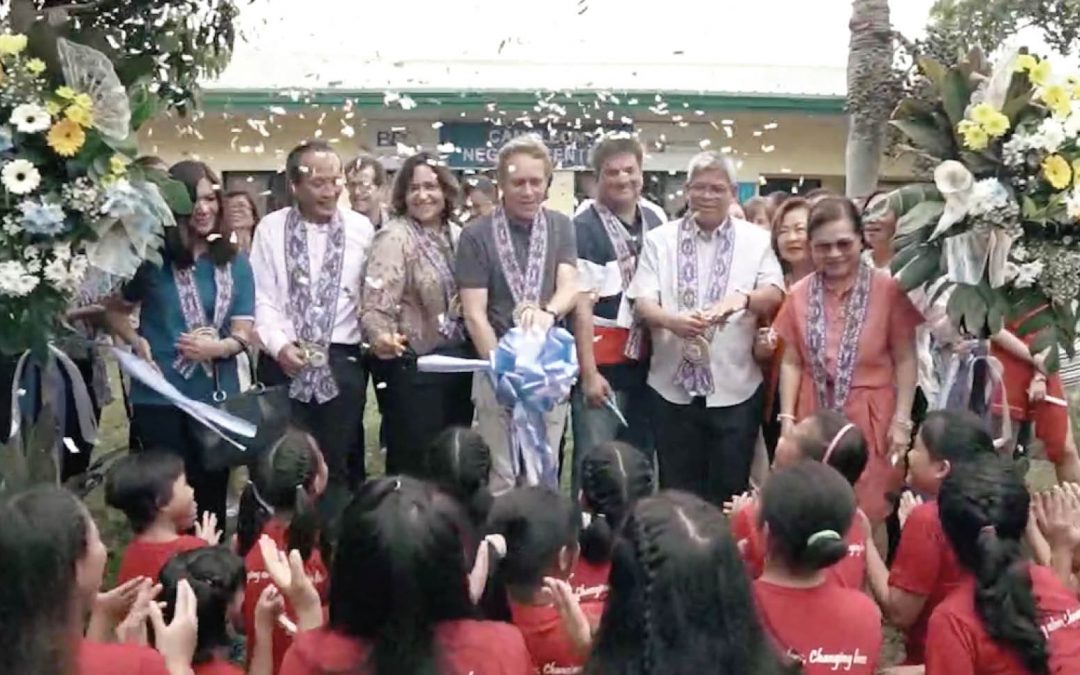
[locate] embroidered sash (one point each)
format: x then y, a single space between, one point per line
620 241
313 310
525 287
694 373
194 315
435 249
833 388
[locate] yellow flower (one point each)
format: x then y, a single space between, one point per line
1073 83
1057 98
83 101
1025 62
983 113
997 125
65 92
79 115
975 137
54 107
1076 172
118 165
66 138
35 66
1040 74
12 44
1057 172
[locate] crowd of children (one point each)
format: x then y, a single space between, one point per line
433 575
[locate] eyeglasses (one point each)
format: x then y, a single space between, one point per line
842 246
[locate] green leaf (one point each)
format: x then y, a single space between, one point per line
144 106
933 70
926 136
919 271
1046 339
128 147
955 95
175 194
906 198
919 216
902 258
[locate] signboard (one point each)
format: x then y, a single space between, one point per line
476 144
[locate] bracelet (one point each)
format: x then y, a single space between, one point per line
785 416
244 345
553 313
906 425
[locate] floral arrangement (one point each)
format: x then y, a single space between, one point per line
76 214
1001 222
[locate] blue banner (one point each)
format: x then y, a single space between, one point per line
476 144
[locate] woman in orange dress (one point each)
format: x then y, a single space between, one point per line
849 333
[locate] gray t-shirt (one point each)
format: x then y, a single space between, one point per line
478 263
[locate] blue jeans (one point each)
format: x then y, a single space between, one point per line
592 426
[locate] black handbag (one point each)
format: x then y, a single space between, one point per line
268 408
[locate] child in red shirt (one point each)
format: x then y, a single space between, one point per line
540 527
152 491
680 600
614 476
279 502
399 602
52 561
824 626
216 574
925 570
827 437
1034 617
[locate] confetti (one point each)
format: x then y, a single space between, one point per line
380 385
69 443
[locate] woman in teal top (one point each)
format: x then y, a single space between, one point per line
195 315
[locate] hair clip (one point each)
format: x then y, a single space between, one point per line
836 441
823 535
988 529
397 485
258 497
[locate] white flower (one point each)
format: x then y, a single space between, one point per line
988 196
955 183
1072 122
30 118
1072 204
15 280
20 177
1028 274
1051 135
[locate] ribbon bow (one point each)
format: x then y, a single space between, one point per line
533 373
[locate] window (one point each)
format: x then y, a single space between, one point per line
268 188
796 186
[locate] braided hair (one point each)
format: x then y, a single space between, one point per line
216 575
680 600
984 510
614 476
282 483
458 462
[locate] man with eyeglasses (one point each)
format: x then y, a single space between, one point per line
701 285
365 181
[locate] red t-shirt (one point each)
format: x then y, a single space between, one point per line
546 640
958 644
848 573
924 565
95 658
217 667
473 647
589 581
258 579
832 629
146 558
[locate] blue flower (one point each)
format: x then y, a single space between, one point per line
6 140
42 218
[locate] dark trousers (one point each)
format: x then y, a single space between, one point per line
167 428
706 451
71 464
371 368
416 408
337 425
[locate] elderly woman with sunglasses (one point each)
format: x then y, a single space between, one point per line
850 332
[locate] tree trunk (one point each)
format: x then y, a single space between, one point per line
870 56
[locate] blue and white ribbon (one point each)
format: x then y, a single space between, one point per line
532 373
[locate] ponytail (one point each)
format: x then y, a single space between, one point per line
984 510
281 484
250 519
614 476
